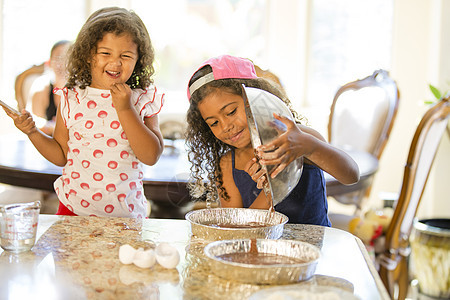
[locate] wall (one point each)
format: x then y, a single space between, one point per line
435 202
421 38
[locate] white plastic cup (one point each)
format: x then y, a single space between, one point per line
18 226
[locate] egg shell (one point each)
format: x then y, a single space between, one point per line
167 255
144 258
126 254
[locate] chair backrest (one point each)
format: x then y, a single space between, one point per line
363 112
24 82
418 165
361 117
270 76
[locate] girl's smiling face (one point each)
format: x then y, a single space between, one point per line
114 60
224 113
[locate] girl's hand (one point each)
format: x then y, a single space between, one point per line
254 169
24 122
288 146
121 95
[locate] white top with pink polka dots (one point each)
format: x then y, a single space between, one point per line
102 176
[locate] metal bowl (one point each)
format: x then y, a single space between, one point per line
263 274
264 128
204 223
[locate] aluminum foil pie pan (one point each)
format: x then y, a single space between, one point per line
236 223
263 273
309 292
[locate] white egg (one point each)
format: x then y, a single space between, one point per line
167 255
126 254
144 258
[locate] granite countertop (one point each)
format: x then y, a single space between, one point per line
77 258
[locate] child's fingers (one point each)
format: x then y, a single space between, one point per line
269 147
273 157
279 126
270 150
286 121
261 182
24 122
278 170
250 166
120 88
256 171
117 88
270 158
114 89
258 174
121 95
24 117
275 146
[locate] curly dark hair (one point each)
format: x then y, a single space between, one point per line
110 20
204 149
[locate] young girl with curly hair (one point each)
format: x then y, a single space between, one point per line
106 123
220 149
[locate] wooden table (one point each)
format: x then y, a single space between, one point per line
77 258
164 183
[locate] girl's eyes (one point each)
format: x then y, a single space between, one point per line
232 112
126 56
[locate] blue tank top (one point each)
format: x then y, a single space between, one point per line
306 204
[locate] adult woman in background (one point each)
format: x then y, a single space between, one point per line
43 101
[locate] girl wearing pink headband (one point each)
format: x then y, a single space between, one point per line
220 149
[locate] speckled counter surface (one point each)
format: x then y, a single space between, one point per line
77 258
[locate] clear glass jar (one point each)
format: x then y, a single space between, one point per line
430 256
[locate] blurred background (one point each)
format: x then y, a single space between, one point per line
314 46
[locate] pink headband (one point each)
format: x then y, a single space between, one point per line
223 67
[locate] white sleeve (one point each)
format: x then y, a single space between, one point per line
148 102
64 103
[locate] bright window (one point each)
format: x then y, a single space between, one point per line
348 40
336 41
186 32
29 29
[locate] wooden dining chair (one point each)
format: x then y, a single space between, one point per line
24 82
394 258
361 117
271 77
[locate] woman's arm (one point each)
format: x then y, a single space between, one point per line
299 140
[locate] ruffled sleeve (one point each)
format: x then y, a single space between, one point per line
64 104
148 102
